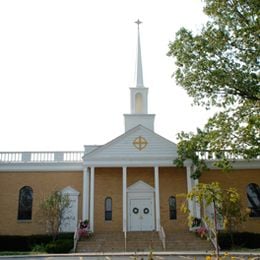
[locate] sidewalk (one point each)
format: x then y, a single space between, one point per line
137 255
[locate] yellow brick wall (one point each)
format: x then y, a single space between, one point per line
172 183
238 179
108 183
42 183
144 174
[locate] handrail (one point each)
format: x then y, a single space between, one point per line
211 234
76 238
162 237
125 235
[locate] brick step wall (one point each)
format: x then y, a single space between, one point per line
186 241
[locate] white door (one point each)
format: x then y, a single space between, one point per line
69 221
70 217
141 217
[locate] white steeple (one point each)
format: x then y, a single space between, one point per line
139 95
139 67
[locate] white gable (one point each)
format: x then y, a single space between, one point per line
140 186
122 151
69 190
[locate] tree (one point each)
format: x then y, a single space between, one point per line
219 67
52 211
226 204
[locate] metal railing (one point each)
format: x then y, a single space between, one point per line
125 236
162 237
228 154
76 238
41 157
211 234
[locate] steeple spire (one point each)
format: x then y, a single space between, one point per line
139 97
139 67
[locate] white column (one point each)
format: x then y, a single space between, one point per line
85 206
193 206
124 199
197 205
92 192
157 198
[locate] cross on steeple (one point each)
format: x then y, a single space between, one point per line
138 22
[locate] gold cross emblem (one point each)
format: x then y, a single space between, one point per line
140 143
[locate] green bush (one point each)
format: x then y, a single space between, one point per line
241 239
247 240
39 248
14 243
27 243
59 246
224 241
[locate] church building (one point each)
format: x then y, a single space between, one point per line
128 184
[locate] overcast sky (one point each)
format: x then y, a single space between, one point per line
66 68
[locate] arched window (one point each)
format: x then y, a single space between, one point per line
172 208
25 203
138 103
108 208
253 197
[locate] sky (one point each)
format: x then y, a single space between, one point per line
66 67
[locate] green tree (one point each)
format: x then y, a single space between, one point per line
226 205
219 67
52 211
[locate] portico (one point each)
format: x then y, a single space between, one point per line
139 192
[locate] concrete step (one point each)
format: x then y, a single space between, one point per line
186 241
143 241
115 242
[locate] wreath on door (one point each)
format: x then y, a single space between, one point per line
146 210
135 210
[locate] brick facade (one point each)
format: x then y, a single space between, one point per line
238 179
42 183
108 183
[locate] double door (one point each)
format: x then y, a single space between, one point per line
140 214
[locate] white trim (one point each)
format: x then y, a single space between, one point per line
92 192
69 190
133 162
44 167
124 199
85 199
140 187
157 198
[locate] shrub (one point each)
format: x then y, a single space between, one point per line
38 240
224 241
241 239
59 246
27 243
14 243
39 248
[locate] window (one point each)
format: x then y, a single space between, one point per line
172 208
25 203
108 209
138 103
253 197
